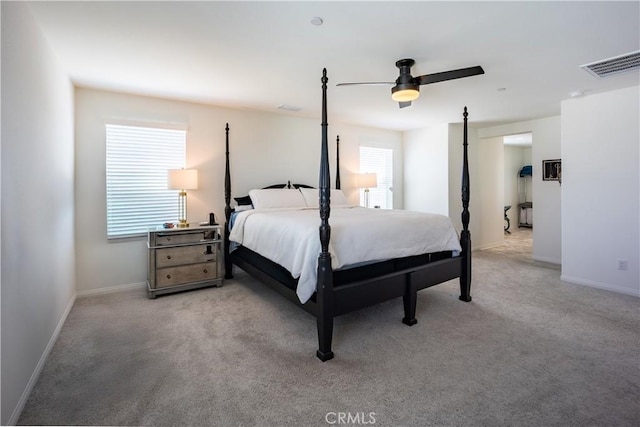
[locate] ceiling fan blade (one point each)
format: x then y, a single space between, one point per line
365 83
449 75
404 104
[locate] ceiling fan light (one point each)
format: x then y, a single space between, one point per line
404 95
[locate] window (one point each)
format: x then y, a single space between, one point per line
380 162
137 163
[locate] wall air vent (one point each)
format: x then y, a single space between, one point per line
616 65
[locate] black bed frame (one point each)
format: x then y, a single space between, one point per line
330 301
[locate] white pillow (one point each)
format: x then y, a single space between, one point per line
338 199
312 195
276 198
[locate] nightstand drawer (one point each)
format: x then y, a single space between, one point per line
186 273
168 257
177 238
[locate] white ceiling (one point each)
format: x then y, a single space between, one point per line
519 140
259 55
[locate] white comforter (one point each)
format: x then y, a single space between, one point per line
290 237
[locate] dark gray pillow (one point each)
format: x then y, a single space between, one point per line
243 201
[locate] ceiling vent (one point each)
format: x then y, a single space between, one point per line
616 65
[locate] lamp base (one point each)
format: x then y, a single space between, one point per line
183 223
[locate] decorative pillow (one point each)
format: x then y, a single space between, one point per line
276 198
243 201
311 197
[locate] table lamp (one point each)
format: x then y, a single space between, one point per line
367 181
182 179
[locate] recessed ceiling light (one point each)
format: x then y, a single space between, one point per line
316 20
289 107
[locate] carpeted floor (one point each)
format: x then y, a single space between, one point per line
529 350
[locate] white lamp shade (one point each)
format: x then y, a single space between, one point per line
182 179
367 180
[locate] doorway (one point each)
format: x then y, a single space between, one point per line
518 195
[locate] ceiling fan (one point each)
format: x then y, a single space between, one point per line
407 87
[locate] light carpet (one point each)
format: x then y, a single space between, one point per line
529 350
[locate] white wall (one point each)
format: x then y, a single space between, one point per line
426 168
482 195
37 204
600 190
266 148
489 192
547 243
547 199
433 179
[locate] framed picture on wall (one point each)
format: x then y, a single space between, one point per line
552 170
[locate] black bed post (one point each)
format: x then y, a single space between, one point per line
337 162
324 291
228 266
465 237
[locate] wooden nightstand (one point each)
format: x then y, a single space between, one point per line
184 258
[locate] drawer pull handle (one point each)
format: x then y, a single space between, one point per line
168 276
205 270
168 256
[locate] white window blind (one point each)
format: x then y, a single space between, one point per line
378 161
137 163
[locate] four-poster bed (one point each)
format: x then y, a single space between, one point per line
342 289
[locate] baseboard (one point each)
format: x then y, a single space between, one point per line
599 285
488 246
15 416
549 260
112 289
